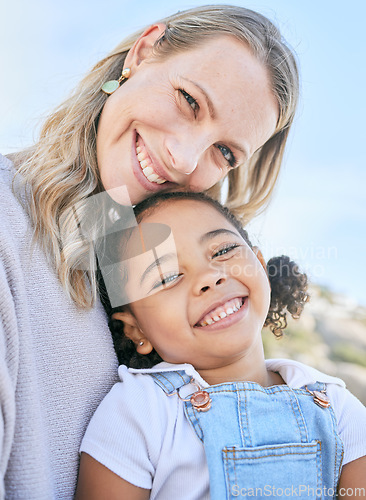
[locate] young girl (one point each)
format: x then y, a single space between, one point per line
199 413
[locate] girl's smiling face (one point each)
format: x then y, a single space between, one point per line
207 306
182 122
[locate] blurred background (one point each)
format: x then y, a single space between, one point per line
318 212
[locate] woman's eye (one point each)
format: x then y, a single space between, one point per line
191 100
227 154
225 250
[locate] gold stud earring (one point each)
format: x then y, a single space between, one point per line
112 85
141 342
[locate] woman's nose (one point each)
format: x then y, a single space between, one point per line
185 152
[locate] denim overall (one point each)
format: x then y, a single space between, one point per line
264 442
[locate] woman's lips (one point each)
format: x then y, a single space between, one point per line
149 175
224 316
146 163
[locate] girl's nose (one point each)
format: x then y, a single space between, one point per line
209 281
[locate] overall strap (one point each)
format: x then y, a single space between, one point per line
171 381
317 386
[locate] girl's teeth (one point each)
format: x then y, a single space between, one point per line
144 164
161 181
233 308
138 150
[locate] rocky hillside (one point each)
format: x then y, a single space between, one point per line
330 335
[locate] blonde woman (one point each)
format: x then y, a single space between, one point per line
204 95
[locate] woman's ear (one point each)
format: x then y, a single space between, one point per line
142 48
133 331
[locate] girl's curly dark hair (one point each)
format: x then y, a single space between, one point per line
288 285
288 292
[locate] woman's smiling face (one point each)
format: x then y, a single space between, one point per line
208 306
182 122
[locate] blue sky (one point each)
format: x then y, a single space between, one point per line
318 213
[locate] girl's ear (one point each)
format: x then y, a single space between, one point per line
133 331
142 48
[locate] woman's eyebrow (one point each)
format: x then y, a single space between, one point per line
156 264
216 232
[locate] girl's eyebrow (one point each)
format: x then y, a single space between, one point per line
216 232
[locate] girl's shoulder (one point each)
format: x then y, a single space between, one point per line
131 426
350 414
137 400
297 374
137 395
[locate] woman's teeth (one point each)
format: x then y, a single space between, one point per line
146 166
230 307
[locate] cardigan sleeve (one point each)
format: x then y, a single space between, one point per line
9 357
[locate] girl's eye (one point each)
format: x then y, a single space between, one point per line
191 101
166 280
227 154
225 250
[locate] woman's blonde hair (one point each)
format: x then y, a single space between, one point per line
60 171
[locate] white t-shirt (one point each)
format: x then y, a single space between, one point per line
143 435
